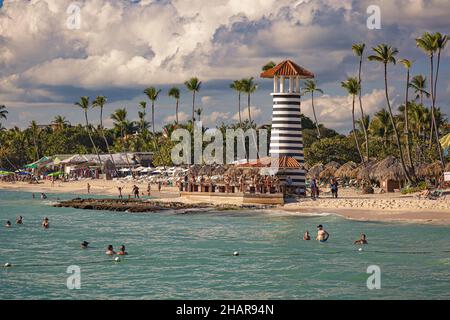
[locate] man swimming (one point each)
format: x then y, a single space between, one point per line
84 245
306 236
8 224
45 223
362 240
110 251
122 251
19 220
322 235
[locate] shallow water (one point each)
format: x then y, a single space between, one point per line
191 256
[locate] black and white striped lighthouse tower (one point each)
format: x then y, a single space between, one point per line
286 137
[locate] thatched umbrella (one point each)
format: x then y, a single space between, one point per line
364 171
434 170
314 171
329 170
346 171
389 169
421 171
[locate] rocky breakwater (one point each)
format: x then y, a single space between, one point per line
132 205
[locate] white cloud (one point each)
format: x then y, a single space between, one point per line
182 116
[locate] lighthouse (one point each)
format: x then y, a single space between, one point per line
286 135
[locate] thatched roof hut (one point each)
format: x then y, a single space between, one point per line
388 169
329 170
346 171
434 170
364 171
421 171
314 171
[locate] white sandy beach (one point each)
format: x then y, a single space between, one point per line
378 207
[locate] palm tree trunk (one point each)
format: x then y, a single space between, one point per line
239 110
407 133
433 113
193 107
315 117
366 136
153 117
106 141
176 111
90 138
354 131
248 108
397 137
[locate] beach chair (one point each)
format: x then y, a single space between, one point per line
436 194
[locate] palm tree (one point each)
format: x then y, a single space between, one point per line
430 43
407 63
100 102
381 126
152 93
34 128
193 85
237 86
60 122
311 87
84 104
419 84
3 112
386 54
269 65
122 126
175 93
358 50
4 115
352 87
143 125
249 87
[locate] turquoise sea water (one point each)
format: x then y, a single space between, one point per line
176 256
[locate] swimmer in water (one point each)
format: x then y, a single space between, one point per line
8 224
122 251
110 251
45 223
322 235
43 196
19 220
362 240
306 236
84 245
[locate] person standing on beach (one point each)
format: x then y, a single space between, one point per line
120 192
313 188
159 186
334 188
136 191
88 188
149 189
322 235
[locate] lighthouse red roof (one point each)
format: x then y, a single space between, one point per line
287 68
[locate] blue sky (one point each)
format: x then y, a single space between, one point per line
124 46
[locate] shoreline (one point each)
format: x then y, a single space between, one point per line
392 208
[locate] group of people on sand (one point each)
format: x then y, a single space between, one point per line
135 191
314 185
323 236
19 221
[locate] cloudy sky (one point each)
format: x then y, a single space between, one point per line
123 46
